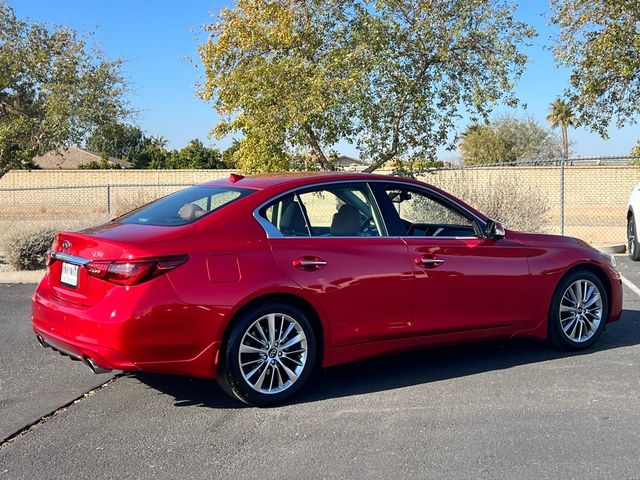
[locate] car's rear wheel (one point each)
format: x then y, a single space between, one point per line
578 311
268 355
632 239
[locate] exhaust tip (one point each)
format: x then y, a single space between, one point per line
41 341
95 368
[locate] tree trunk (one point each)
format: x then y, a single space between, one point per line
379 163
402 109
565 144
321 158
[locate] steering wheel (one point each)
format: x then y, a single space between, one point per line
367 227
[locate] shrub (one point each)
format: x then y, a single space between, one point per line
99 165
504 198
26 250
125 202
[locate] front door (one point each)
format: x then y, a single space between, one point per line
462 282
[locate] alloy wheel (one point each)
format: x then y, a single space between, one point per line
273 353
580 310
631 237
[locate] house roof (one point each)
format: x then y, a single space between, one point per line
70 158
346 161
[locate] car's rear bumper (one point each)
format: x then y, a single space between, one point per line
99 359
129 330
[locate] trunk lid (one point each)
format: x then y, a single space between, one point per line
69 278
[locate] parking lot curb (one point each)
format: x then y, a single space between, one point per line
612 249
31 276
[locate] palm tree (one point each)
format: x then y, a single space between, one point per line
561 115
159 142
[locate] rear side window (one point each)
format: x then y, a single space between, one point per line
330 211
185 206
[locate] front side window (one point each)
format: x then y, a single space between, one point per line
344 210
185 206
422 215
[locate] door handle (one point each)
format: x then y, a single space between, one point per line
309 263
429 262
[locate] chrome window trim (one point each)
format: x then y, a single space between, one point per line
272 232
268 227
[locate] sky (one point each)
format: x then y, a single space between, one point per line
156 38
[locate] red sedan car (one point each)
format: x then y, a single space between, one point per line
256 280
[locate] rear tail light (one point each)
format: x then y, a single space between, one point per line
132 272
48 259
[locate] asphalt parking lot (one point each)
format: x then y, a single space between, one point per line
515 409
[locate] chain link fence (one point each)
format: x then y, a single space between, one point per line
72 207
583 197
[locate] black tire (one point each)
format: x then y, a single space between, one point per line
230 374
633 248
557 334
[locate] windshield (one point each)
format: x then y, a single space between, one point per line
185 206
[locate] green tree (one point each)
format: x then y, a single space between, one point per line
159 142
561 115
600 42
119 141
54 89
295 77
635 151
228 155
155 157
415 166
195 155
508 139
102 164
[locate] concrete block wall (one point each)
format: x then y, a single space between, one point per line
595 196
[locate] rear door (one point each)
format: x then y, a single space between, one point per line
462 282
331 240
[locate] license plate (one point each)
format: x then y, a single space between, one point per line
69 276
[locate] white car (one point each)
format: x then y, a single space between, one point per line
633 225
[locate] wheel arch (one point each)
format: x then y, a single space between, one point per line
598 272
630 212
287 297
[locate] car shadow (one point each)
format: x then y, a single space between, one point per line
403 370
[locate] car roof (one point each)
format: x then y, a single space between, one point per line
278 182
267 181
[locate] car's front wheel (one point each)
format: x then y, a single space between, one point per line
579 311
632 239
268 355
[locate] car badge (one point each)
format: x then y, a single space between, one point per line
66 245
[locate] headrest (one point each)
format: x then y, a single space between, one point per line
190 211
346 221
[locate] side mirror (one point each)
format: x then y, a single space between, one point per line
493 230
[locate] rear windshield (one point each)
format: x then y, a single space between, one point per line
185 206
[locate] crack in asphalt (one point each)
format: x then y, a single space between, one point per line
26 429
